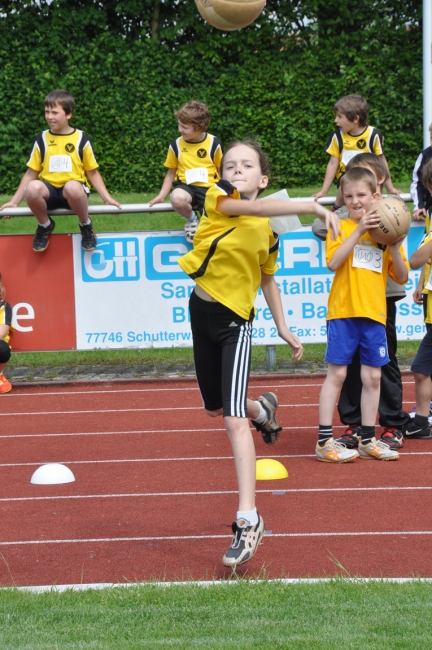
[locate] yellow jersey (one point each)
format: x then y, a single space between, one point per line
197 163
230 253
345 146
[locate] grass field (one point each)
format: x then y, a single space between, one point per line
243 615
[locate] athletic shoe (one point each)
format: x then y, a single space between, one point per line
88 236
270 428
392 437
351 437
335 452
413 431
245 542
40 241
412 414
190 229
377 449
5 385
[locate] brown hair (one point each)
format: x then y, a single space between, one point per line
359 175
62 97
351 106
262 157
369 160
426 174
195 113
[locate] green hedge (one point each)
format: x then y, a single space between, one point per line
277 80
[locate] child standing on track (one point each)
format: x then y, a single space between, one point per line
193 163
356 317
352 136
5 327
234 253
61 161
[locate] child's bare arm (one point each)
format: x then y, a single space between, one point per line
421 256
98 183
166 186
273 299
30 175
370 219
418 292
332 167
400 268
4 331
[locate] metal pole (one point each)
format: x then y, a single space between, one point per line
427 71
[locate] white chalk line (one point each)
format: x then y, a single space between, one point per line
280 492
174 459
169 538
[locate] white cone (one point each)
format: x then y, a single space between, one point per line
52 473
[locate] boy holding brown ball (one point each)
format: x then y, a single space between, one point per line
356 316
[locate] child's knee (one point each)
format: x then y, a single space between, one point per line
36 190
180 198
73 190
214 414
5 352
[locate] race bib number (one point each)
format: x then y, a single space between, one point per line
368 257
198 175
347 155
60 164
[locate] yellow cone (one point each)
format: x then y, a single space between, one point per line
268 469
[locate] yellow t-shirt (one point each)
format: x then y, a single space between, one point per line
197 163
357 291
62 157
6 317
229 253
427 276
345 146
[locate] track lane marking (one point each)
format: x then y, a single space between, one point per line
104 540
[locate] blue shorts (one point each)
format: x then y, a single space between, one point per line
345 335
56 199
423 359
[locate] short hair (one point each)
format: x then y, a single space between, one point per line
62 97
426 174
359 175
262 157
195 113
372 161
351 106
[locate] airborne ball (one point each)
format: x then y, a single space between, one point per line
395 221
229 15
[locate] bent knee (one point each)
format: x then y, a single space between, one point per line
180 198
72 189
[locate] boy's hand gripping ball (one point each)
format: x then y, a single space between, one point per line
395 221
229 15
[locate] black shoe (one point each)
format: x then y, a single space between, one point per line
245 542
88 237
351 437
270 428
40 241
393 437
412 430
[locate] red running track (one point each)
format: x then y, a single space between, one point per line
155 490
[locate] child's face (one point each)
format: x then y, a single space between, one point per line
358 198
188 132
241 167
345 124
56 117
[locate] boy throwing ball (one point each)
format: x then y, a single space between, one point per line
60 166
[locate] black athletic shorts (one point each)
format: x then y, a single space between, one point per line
197 193
222 354
423 359
56 200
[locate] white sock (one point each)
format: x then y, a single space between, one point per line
262 416
45 225
193 217
250 515
86 223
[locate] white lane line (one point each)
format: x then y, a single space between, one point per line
104 540
156 390
113 433
214 492
174 459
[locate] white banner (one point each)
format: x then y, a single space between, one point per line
130 292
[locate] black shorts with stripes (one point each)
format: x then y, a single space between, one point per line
222 354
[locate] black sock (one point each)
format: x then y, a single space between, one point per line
421 421
367 433
324 433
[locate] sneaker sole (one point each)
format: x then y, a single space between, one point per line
338 462
234 564
41 250
416 437
367 457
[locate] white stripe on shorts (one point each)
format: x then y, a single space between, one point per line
240 372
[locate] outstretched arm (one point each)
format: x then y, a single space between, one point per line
273 299
30 175
421 256
98 183
166 186
331 170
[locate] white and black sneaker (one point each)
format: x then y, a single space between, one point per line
245 542
270 428
190 229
